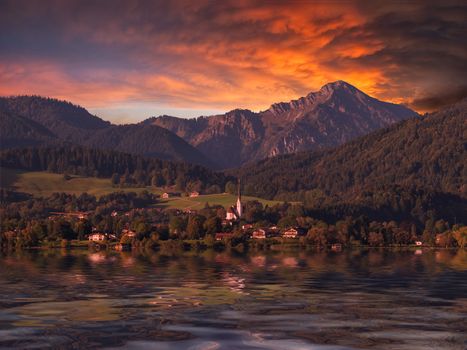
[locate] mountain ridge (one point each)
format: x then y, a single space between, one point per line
335 114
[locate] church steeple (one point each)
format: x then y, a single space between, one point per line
239 200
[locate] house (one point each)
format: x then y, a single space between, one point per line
10 235
260 234
336 247
293 233
226 223
166 195
194 194
81 215
230 215
128 233
223 235
97 236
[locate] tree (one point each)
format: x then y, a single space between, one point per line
230 187
317 236
213 225
195 227
115 179
177 225
460 235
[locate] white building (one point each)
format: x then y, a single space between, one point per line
236 212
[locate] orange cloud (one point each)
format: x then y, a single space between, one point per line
224 55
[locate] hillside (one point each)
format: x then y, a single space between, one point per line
64 119
34 121
126 169
149 141
337 113
17 131
426 153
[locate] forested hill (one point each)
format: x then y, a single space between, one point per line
426 152
35 121
125 169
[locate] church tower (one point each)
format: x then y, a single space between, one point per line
239 200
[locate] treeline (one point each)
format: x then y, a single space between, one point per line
123 169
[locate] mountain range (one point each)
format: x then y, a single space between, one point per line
35 121
336 114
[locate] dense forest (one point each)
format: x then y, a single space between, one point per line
123 169
414 166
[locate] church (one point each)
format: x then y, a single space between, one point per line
235 212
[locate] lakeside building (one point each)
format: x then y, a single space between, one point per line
260 234
222 235
293 232
97 236
167 195
235 212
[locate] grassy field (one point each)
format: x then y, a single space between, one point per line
44 184
224 199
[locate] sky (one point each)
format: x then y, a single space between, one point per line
129 60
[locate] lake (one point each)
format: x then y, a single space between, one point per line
354 299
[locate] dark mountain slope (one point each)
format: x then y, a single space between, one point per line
424 152
332 116
66 120
147 140
33 121
17 131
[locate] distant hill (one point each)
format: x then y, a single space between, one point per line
428 152
337 113
35 121
64 119
147 140
17 131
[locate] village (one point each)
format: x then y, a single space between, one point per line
233 217
125 221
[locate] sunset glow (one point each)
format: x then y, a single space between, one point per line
191 58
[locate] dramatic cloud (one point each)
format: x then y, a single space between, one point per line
198 56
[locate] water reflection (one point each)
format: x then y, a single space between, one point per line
359 299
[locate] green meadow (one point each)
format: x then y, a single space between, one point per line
42 184
224 199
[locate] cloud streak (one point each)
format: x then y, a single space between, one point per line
222 55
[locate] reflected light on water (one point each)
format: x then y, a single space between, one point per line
358 299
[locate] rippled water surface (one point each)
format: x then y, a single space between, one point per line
369 299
